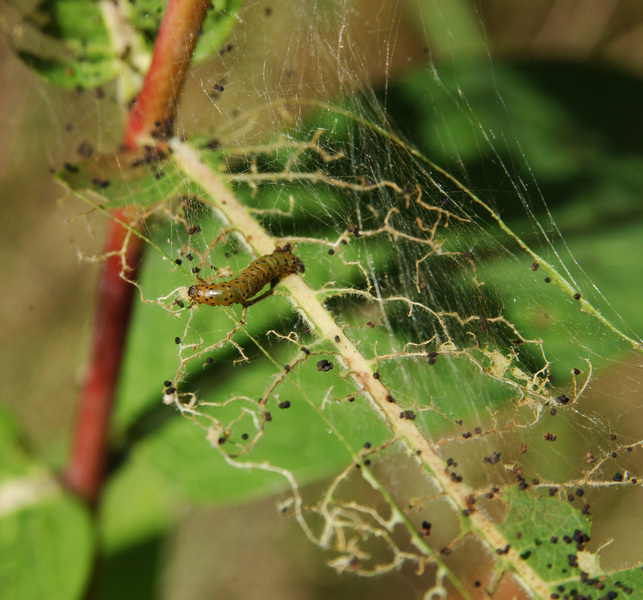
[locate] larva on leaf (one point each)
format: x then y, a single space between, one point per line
253 278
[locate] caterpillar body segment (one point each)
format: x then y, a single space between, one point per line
251 280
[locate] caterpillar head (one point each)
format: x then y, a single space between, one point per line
183 297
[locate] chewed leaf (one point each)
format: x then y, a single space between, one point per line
553 538
139 178
398 353
430 370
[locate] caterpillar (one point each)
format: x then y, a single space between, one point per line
253 278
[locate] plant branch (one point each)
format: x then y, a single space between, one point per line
84 473
152 114
150 118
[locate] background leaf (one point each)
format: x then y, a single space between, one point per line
42 530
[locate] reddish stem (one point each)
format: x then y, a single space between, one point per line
151 116
84 473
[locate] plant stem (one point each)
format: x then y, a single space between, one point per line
152 115
84 473
150 120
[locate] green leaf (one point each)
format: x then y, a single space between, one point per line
549 530
74 50
15 460
552 537
46 538
217 26
139 178
47 549
83 44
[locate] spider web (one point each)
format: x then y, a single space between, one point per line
439 363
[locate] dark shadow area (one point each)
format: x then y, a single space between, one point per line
596 128
133 572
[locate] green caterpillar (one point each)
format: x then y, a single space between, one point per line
252 279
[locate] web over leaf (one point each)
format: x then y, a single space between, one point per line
432 364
